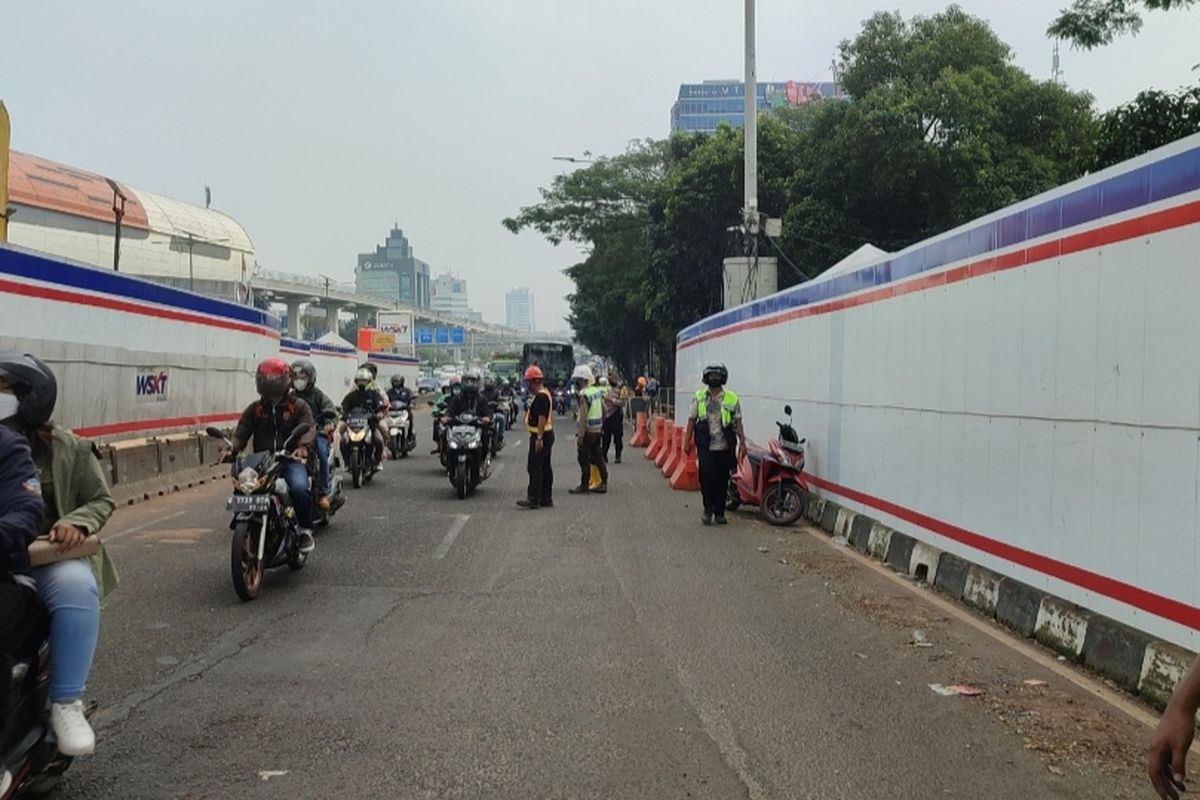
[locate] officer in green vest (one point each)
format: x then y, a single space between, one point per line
715 419
590 402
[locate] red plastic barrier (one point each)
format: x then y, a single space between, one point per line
686 477
669 436
662 427
641 436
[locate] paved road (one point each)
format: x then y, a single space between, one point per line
609 647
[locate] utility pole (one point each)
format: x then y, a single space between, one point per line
751 130
118 207
1056 74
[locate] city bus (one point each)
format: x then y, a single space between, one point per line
556 360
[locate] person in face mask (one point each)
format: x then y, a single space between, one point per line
77 503
715 419
304 386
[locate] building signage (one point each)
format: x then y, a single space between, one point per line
150 386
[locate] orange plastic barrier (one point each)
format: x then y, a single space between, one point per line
676 454
658 441
686 477
669 436
641 436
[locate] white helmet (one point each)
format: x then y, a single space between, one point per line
603 381
582 373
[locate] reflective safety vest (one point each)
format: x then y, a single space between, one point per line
531 423
595 399
729 402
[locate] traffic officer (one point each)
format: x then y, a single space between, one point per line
589 433
539 421
715 418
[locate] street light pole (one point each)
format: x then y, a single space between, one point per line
750 128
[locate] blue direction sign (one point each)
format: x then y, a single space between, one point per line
424 335
443 336
458 336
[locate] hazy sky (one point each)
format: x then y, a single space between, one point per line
319 124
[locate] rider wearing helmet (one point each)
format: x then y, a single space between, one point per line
398 392
304 384
470 400
370 400
267 423
588 436
716 419
77 504
491 393
539 421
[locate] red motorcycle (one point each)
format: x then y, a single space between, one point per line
772 477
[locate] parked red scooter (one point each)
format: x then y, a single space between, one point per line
772 477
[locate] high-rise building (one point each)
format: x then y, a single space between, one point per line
518 309
448 295
701 107
393 272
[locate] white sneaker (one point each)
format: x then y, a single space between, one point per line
305 541
71 728
5 781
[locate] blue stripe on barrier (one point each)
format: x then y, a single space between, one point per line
1160 180
23 264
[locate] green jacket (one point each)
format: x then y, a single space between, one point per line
81 496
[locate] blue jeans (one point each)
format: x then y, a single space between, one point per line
68 588
323 458
296 475
501 425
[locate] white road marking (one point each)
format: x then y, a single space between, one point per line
460 522
111 537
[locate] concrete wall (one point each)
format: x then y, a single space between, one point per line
1022 391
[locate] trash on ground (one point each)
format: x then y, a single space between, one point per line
919 639
267 774
783 561
1035 682
1056 770
840 541
944 691
957 689
863 656
763 550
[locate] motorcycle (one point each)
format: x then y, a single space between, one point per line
466 454
360 459
401 438
773 477
560 402
264 521
499 416
27 744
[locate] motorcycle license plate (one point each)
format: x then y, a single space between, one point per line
248 503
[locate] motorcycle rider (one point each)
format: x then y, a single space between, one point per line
398 392
469 399
587 438
370 400
450 387
491 393
715 418
304 384
267 423
22 616
78 503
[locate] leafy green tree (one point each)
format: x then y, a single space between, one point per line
1150 120
1092 23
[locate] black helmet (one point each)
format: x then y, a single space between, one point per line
374 369
715 371
33 383
397 381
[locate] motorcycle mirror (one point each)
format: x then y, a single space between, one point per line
787 410
214 432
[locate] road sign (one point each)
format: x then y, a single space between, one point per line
458 336
443 335
424 335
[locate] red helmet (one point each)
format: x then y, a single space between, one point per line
273 378
534 373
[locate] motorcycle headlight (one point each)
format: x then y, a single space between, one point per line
247 480
472 444
454 445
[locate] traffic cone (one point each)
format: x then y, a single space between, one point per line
686 477
641 436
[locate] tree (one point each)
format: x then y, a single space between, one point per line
1150 120
1092 23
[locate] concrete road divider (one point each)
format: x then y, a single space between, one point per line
143 468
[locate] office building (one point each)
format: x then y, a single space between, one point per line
518 309
448 295
701 107
394 273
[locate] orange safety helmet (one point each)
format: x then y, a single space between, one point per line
534 373
641 381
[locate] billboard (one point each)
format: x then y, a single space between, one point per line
397 323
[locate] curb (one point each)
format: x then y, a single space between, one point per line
1130 658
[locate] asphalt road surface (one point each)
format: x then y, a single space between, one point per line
609 647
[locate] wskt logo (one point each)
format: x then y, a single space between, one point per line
152 386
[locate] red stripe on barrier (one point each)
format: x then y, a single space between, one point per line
1126 593
100 301
154 424
1156 222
